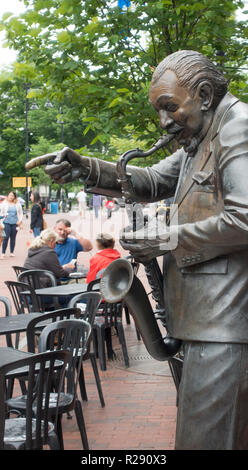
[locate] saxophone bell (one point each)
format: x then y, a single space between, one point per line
118 283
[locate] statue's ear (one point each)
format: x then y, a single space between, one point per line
205 92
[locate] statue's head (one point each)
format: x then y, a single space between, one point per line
185 90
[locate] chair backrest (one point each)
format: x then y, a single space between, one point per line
111 312
7 305
38 278
89 302
23 302
41 372
18 270
93 285
71 335
8 311
41 320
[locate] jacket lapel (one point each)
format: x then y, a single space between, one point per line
200 159
205 149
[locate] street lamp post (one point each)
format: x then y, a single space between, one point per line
48 104
61 122
26 87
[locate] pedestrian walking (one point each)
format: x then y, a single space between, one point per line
97 200
12 213
110 205
81 198
36 223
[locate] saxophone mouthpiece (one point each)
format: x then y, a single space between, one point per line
164 140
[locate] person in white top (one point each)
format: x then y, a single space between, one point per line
12 214
81 198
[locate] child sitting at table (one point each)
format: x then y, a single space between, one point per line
105 244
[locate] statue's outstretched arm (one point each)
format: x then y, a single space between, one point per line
101 177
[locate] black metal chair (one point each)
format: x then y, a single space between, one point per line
34 430
8 312
108 316
71 335
39 278
18 270
89 308
41 321
24 303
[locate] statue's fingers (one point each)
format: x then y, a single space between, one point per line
52 170
61 174
38 161
62 155
63 179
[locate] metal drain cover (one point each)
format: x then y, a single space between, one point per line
141 362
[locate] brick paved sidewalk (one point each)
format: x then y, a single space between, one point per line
140 411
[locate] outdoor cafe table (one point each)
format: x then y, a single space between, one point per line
18 323
64 290
8 355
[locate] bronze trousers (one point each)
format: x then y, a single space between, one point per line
213 397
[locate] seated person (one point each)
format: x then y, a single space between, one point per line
68 247
105 244
41 255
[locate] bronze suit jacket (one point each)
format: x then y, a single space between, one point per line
206 276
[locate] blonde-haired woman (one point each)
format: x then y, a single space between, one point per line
41 255
11 211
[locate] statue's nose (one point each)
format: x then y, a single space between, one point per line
164 119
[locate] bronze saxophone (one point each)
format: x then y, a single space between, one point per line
119 282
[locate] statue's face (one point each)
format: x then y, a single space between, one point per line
178 112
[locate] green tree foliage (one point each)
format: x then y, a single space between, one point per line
44 124
100 58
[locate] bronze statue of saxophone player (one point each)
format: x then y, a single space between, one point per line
205 275
113 286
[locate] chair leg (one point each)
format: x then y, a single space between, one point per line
97 378
101 347
122 340
82 385
53 441
108 338
81 424
95 343
10 388
138 334
127 315
60 433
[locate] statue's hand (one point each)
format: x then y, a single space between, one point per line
147 243
64 166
